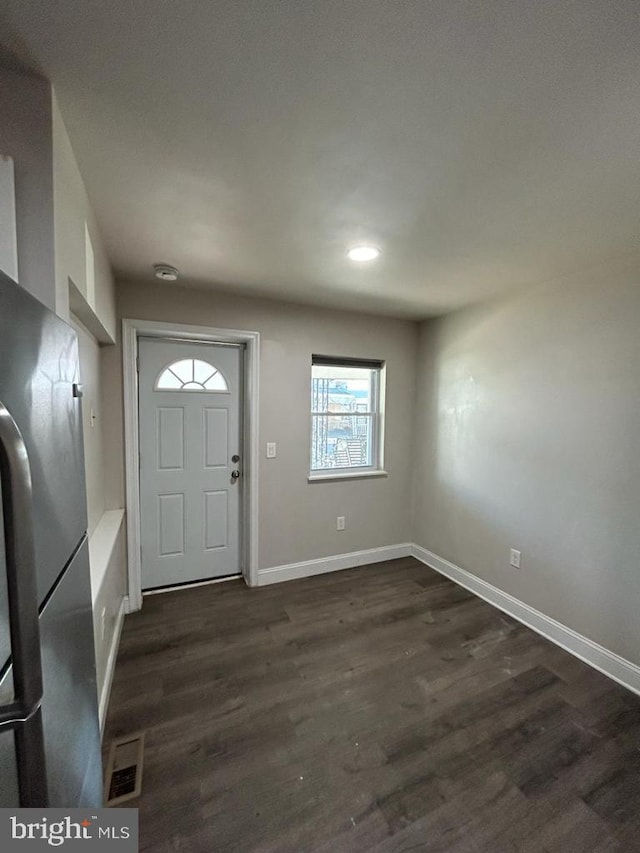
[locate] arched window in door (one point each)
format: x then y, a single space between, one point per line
191 374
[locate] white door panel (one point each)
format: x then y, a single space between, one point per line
215 520
170 525
190 428
216 438
170 438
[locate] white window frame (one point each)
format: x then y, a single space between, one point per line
377 415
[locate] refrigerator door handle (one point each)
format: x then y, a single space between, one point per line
15 475
22 713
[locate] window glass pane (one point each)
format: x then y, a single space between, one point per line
342 389
216 383
168 380
191 374
202 371
341 442
183 369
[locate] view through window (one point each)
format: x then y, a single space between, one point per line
345 413
191 374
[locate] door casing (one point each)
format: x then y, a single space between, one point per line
131 329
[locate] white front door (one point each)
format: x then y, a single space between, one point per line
190 460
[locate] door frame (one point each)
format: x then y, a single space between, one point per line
131 331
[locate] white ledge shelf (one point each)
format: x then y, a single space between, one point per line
86 313
346 475
101 546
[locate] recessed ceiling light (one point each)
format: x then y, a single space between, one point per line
363 253
165 272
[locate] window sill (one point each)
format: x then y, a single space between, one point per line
345 475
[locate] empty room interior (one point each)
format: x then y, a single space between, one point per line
356 294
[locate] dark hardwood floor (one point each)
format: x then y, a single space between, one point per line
380 709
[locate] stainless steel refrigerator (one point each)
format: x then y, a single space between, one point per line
49 731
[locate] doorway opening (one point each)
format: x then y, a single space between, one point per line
191 447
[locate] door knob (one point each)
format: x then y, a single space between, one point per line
235 475
235 458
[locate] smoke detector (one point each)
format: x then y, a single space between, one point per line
165 272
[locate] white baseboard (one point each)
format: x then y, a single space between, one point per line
293 571
607 662
105 692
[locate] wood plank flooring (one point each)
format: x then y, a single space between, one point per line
379 709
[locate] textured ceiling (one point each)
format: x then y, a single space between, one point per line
483 146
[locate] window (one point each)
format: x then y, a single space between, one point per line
191 374
346 416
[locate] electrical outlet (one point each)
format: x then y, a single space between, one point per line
514 558
271 450
340 522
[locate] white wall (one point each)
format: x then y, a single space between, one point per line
528 436
89 352
25 135
72 211
297 519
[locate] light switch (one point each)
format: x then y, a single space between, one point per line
271 450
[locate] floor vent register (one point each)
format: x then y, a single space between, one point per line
124 769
